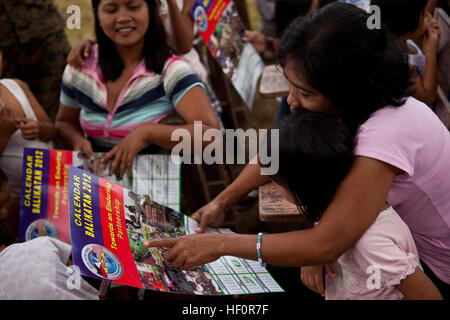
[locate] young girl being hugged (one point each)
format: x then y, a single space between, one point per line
384 262
128 84
23 124
410 21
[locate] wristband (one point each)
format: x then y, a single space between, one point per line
258 250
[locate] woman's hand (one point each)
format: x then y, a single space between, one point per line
126 150
258 40
84 145
190 251
312 277
79 53
212 214
30 128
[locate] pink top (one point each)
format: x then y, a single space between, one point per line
413 139
147 97
383 257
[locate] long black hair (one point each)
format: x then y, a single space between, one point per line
315 154
288 10
401 16
156 50
359 69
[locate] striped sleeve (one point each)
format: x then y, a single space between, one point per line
179 79
67 95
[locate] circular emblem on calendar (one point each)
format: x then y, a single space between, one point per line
201 18
101 262
41 228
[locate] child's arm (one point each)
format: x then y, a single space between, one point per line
43 129
182 30
426 86
186 12
418 286
431 6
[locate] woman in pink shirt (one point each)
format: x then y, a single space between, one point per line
336 64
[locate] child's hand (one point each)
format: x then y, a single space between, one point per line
431 38
7 122
312 277
80 52
124 153
211 214
258 40
30 128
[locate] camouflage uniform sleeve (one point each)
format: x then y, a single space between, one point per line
28 19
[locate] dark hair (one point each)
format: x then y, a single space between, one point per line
360 70
156 50
401 16
316 152
323 3
288 10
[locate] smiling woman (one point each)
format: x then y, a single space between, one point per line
123 29
129 26
130 82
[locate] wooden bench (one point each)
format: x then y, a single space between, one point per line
273 82
274 208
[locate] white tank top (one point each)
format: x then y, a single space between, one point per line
12 157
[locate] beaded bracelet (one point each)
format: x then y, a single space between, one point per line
258 250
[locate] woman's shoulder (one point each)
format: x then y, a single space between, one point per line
401 135
18 88
90 70
174 63
90 63
413 114
176 70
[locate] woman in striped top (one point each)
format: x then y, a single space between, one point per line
129 83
